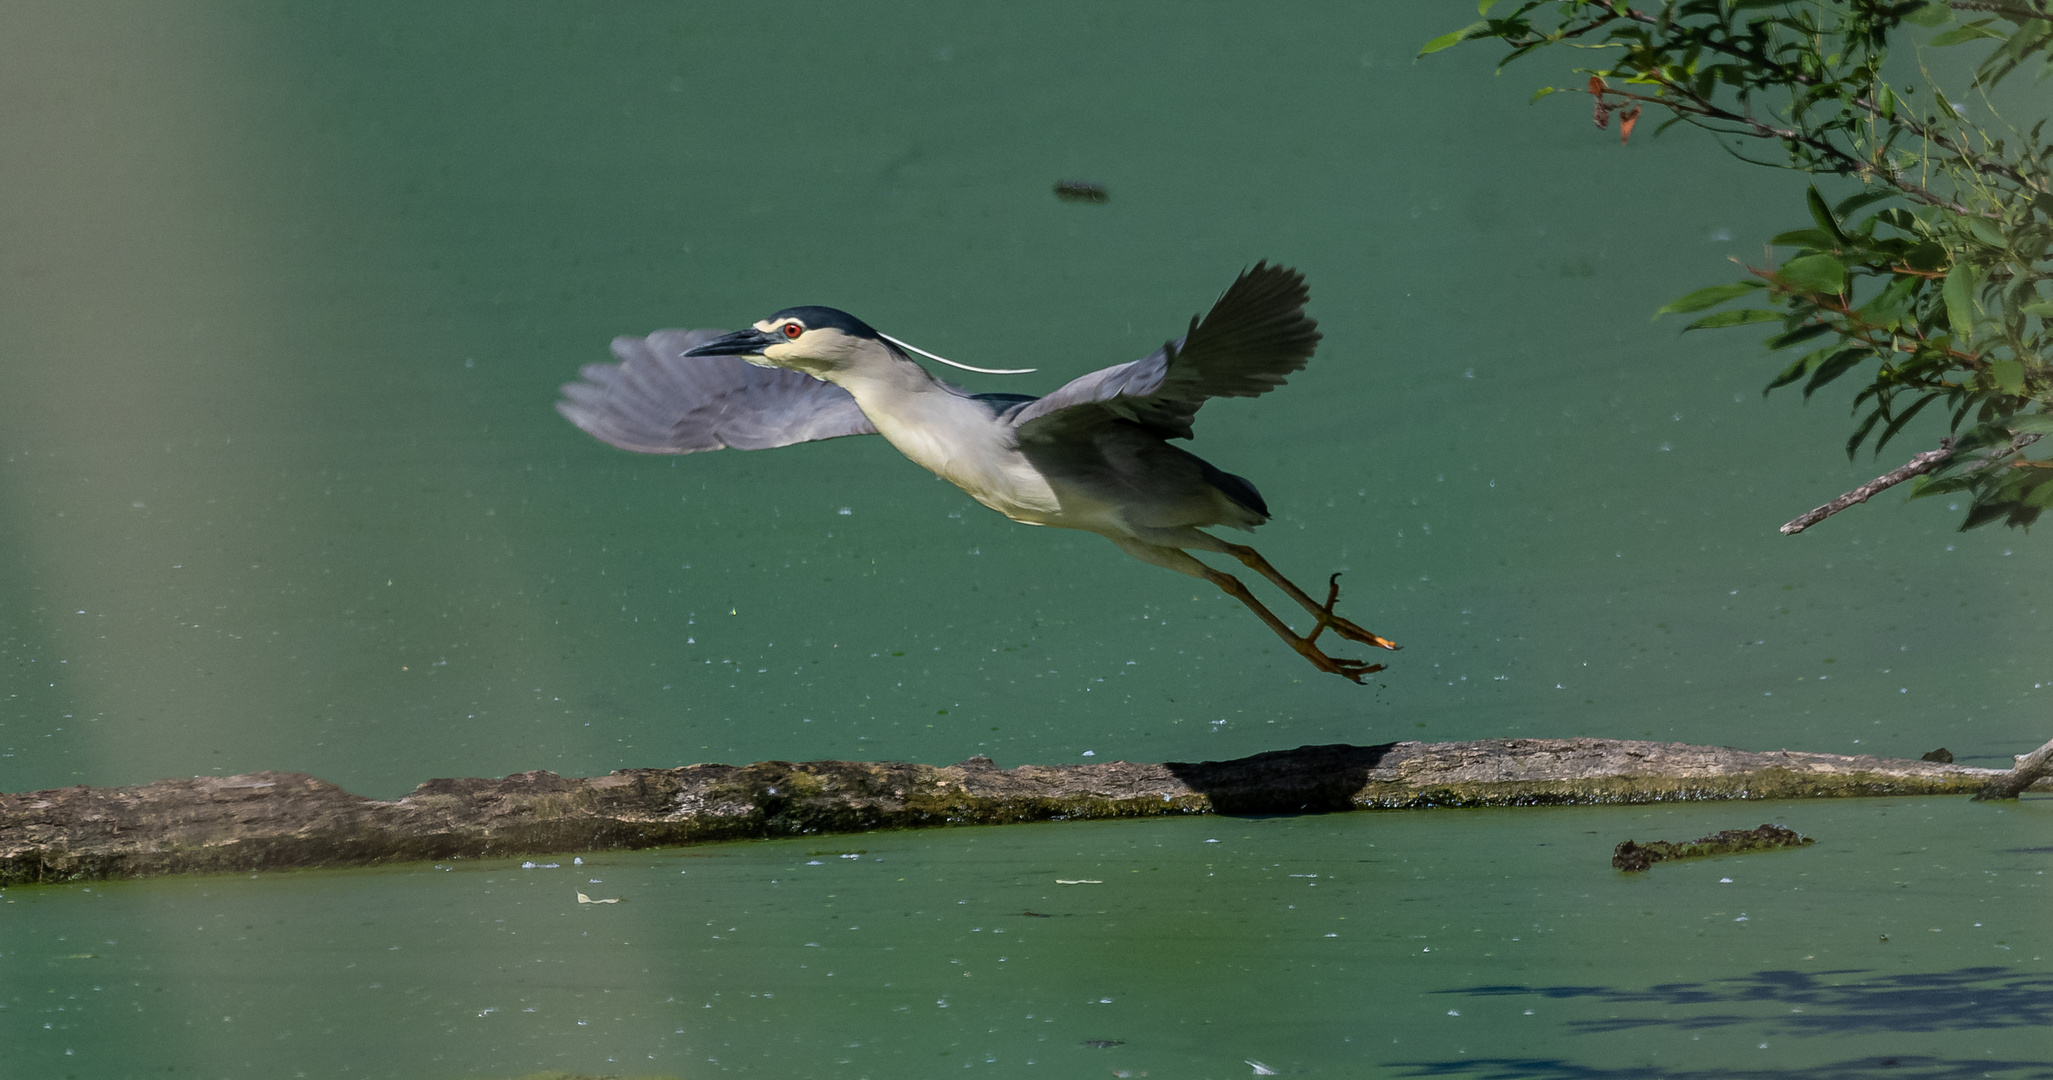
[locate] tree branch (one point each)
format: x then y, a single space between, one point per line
1917 466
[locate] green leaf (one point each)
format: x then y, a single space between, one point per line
2031 424
1447 41
1959 296
1983 513
1740 317
1993 433
1805 238
1541 92
1927 256
1982 229
1931 15
1960 35
1887 305
1708 297
1799 335
1814 274
1903 418
1852 203
1483 6
1853 443
2008 375
1822 214
1928 486
1840 363
2040 496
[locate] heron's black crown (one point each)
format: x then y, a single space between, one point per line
815 318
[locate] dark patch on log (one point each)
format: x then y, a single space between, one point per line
276 820
1632 857
1942 755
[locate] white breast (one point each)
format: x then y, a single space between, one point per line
959 440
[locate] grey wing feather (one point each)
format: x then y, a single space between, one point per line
658 401
1255 336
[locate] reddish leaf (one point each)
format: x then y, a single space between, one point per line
1626 120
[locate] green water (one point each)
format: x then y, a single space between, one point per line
287 294
1448 943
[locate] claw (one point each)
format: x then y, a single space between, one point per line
1352 670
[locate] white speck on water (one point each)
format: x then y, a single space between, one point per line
1725 881
1090 753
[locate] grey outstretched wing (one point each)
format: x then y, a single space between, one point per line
659 401
1255 336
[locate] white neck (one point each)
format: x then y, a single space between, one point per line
944 430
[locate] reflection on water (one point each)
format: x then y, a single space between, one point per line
1905 1066
1842 1000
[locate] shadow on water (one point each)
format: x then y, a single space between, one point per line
1965 999
1906 1067
1307 780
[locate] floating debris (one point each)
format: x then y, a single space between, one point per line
1080 191
583 899
1079 881
1036 915
1261 1069
1632 857
1104 1044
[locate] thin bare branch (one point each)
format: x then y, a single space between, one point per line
1916 466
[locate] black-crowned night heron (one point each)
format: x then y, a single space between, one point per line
1094 455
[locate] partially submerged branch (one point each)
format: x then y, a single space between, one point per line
2030 769
1634 857
278 820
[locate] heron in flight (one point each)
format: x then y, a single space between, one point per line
1094 455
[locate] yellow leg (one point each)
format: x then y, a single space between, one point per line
1346 628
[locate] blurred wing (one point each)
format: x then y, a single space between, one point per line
658 401
1255 336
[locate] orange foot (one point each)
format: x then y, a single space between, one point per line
1346 628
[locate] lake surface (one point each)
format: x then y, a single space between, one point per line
288 294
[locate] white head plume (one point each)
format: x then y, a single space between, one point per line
951 363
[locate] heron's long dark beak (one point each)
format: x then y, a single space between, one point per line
739 343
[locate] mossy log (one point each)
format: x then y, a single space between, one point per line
275 820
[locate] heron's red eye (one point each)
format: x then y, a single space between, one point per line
792 330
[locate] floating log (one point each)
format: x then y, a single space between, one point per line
274 820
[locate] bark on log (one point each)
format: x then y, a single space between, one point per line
274 820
